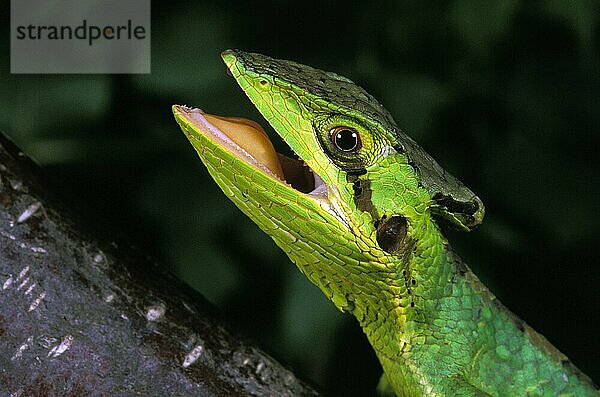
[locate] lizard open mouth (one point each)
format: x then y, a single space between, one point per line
249 142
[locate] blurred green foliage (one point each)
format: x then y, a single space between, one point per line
505 95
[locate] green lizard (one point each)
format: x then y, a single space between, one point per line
358 215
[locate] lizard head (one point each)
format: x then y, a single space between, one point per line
360 191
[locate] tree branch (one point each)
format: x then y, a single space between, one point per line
79 317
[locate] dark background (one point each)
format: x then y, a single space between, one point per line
504 94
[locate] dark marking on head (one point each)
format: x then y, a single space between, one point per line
362 194
356 187
414 167
462 213
399 148
356 172
463 207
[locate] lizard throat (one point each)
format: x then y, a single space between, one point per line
249 142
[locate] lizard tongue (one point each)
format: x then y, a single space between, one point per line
251 137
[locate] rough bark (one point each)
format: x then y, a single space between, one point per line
79 317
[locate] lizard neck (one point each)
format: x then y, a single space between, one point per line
443 325
406 309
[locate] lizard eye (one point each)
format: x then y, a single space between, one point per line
349 144
345 139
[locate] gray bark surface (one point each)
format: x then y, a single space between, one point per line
80 317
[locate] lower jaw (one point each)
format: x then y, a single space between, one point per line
249 142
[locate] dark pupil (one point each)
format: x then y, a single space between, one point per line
346 140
